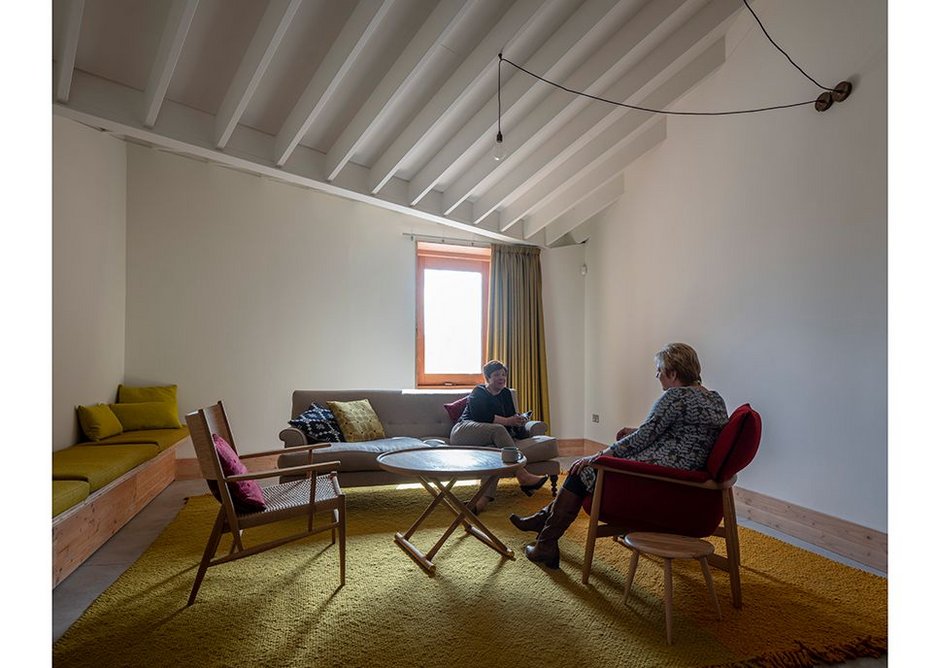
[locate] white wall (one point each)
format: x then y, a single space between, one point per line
243 289
564 315
761 240
88 274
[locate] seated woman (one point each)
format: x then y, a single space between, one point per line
679 432
488 419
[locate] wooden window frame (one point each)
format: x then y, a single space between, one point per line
452 258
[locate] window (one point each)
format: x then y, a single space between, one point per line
451 314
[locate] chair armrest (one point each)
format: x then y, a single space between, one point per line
294 448
289 470
291 436
616 465
536 427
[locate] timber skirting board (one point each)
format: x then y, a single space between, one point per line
861 544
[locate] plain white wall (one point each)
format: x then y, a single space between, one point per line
564 314
88 272
243 289
761 240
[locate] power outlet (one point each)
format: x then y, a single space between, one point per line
594 417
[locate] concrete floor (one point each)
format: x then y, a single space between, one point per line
74 594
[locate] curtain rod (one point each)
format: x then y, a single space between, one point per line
447 240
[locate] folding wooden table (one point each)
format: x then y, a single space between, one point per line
433 466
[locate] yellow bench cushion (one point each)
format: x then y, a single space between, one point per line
162 438
97 465
67 493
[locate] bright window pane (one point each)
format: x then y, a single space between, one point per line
452 321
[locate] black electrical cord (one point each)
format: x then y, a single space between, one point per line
502 60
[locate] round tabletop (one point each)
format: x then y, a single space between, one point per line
449 461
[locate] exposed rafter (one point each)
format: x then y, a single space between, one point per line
167 57
266 40
394 102
66 55
351 42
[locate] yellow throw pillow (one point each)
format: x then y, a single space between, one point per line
357 420
147 415
135 395
98 421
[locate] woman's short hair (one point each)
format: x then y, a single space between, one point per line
682 359
492 366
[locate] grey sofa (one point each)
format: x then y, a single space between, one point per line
411 419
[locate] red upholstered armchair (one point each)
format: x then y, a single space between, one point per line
637 496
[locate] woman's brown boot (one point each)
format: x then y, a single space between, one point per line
534 522
565 509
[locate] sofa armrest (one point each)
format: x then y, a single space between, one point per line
536 428
292 437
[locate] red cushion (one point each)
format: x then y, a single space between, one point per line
246 494
736 445
456 408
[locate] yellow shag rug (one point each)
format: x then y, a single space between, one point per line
284 608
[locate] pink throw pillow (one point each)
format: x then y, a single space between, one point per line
456 408
246 494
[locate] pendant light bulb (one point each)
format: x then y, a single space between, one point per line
500 152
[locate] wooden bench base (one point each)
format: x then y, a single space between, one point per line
83 528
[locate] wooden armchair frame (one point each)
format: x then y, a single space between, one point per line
300 498
728 529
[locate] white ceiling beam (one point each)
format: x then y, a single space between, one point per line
515 32
616 54
408 67
177 26
608 168
582 212
566 49
357 32
567 156
186 131
266 40
66 58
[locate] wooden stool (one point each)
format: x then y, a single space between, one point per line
669 547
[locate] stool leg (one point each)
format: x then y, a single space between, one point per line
668 598
630 574
711 585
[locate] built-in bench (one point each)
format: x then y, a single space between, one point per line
97 487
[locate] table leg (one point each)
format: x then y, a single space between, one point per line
442 493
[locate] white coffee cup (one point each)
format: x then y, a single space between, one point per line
510 455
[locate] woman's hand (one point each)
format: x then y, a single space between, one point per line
512 421
624 431
579 464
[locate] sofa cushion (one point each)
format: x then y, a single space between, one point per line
67 493
98 465
456 408
161 438
359 456
98 421
357 420
147 415
319 425
245 494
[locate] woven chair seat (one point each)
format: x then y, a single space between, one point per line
295 494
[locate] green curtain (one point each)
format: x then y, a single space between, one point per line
515 334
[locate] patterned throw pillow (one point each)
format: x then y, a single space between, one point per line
246 494
318 424
357 420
